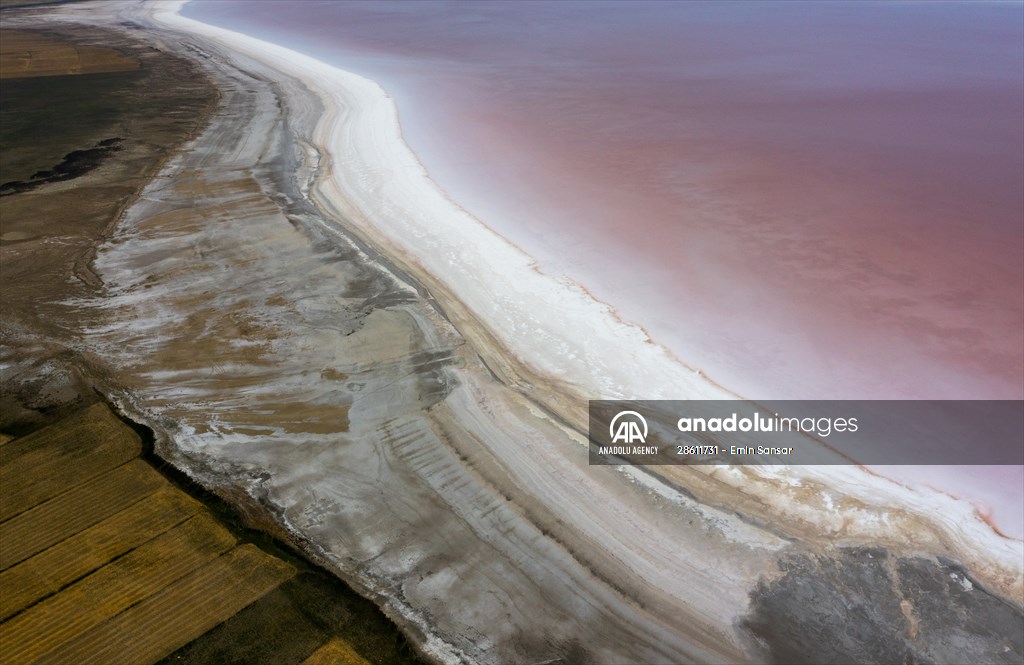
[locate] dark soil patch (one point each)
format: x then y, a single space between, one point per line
74 164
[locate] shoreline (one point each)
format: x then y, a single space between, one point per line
522 333
548 336
371 131
371 114
557 200
486 485
450 499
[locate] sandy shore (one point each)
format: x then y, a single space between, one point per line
320 334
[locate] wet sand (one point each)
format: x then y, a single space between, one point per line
296 358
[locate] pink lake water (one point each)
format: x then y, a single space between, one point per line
805 200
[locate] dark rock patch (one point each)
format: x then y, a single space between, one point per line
864 605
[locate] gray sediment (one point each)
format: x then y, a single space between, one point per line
864 605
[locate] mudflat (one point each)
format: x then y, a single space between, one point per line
89 116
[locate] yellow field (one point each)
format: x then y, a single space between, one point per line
180 613
50 570
335 652
103 560
43 464
112 589
63 516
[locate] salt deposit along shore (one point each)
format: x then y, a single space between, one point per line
314 330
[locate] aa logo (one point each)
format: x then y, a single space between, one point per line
628 427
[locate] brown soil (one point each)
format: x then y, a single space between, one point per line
89 116
34 54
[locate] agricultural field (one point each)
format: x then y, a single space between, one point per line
105 559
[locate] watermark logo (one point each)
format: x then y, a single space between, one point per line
806 432
628 427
